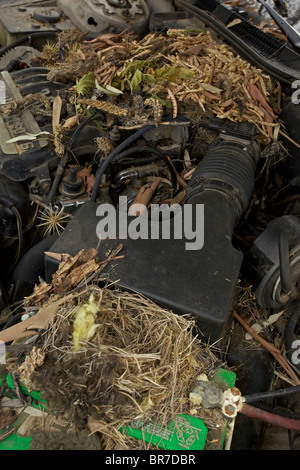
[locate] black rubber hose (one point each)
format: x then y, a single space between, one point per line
229 169
61 167
31 266
152 151
284 261
58 175
29 270
254 397
136 161
28 37
104 165
79 129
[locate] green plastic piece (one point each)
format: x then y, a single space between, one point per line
225 378
188 433
15 442
185 433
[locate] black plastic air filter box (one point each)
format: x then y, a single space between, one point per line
198 282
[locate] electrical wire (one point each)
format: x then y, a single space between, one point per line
28 37
254 397
294 440
271 418
20 236
13 319
5 200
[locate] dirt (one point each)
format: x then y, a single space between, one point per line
61 440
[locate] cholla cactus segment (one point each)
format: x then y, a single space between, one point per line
53 220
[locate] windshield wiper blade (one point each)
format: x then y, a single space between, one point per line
292 35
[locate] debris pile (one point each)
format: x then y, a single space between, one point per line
104 358
108 357
165 74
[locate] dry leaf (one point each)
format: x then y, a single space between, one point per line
56 127
211 88
41 292
64 282
257 95
57 105
234 23
70 123
38 322
70 272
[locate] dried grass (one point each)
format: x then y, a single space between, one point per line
141 363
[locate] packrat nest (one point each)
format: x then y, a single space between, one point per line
111 357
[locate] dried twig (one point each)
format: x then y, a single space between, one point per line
271 348
8 433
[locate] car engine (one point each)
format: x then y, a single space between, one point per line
99 105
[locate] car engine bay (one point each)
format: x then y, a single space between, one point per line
182 104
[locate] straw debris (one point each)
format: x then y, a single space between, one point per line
180 70
109 357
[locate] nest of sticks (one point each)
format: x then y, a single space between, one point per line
124 359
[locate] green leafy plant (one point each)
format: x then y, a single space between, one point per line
173 74
139 72
85 84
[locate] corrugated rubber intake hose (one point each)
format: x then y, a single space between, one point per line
228 169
